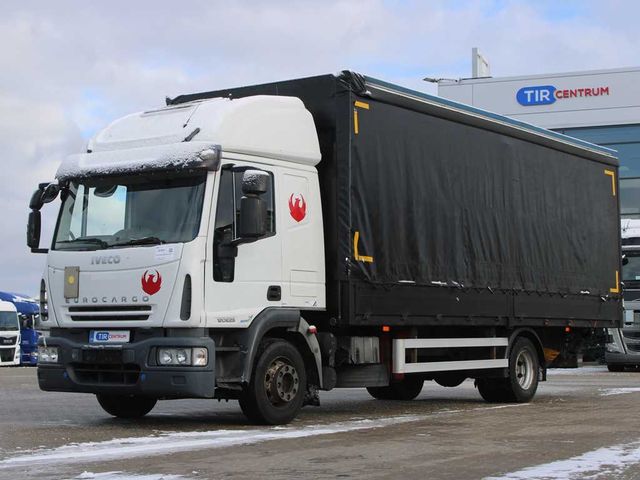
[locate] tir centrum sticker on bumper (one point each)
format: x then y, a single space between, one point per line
109 336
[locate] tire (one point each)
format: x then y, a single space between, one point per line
278 384
407 389
521 384
126 406
615 368
450 380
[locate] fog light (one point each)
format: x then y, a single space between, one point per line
48 354
200 357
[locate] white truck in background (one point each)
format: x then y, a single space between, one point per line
9 335
623 349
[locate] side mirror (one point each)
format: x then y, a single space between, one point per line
625 260
50 192
46 192
253 208
33 230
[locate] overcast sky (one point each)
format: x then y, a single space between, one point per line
68 68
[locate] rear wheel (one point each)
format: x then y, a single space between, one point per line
615 368
521 384
278 384
126 406
406 389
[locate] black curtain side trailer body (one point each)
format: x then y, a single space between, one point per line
460 216
445 221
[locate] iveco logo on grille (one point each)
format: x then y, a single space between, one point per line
105 259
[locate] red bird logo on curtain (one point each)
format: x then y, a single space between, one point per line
297 208
151 281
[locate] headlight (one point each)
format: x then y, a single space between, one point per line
183 356
48 354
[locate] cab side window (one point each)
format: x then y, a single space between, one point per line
227 218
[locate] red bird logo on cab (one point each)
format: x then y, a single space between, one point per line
151 282
297 208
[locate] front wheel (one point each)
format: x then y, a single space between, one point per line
278 384
126 406
521 384
406 389
615 368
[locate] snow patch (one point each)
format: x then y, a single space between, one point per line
125 476
605 392
603 463
176 156
576 371
171 442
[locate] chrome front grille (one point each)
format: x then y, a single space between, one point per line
93 313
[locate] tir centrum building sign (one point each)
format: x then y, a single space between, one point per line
548 94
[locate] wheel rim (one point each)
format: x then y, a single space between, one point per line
281 382
524 369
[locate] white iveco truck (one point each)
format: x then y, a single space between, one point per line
264 243
9 335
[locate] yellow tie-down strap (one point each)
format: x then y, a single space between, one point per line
356 123
356 254
612 174
616 289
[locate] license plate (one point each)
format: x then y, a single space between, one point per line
102 356
109 336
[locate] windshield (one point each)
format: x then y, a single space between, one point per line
8 321
117 212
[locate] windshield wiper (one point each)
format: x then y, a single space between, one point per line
138 241
94 240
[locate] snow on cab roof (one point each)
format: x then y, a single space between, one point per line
175 137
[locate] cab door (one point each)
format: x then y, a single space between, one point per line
238 286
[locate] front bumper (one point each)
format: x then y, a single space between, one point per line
127 369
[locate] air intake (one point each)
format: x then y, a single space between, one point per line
185 308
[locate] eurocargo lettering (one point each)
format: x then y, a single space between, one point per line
318 233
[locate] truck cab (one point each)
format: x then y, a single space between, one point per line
163 237
9 335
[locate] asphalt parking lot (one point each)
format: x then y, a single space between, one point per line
583 422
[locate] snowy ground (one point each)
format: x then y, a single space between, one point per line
583 424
